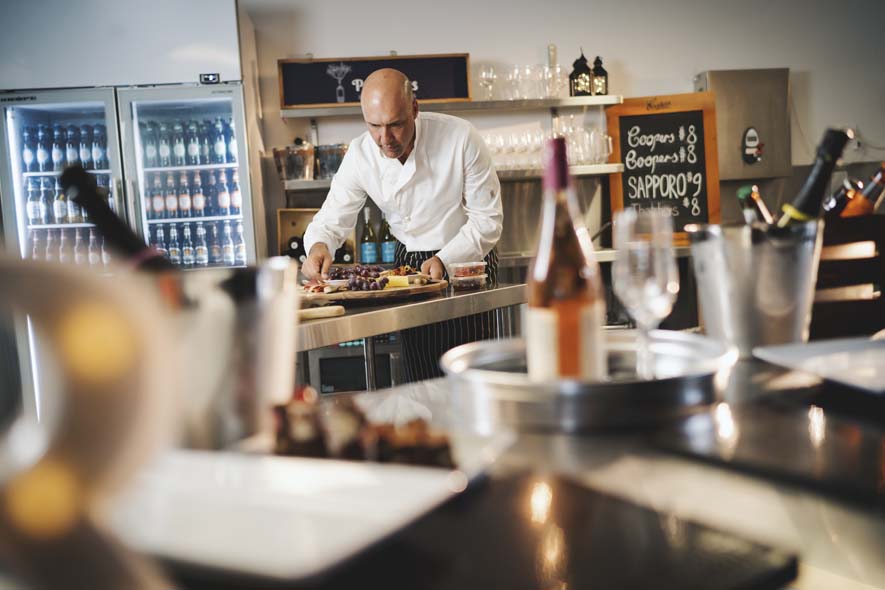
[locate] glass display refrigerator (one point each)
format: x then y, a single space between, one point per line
171 158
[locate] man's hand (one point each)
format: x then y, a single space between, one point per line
318 262
433 267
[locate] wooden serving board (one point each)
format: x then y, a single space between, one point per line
308 299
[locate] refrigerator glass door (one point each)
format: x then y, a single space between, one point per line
188 178
43 132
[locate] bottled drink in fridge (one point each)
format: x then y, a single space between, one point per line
158 199
37 249
81 256
46 196
29 147
566 300
86 146
174 246
388 243
231 142
184 196
205 129
210 191
240 245
215 254
201 248
179 151
198 199
219 143
187 247
808 203
222 195
193 143
36 208
75 214
59 205
44 155
171 194
58 148
51 254
65 248
160 241
164 146
368 244
236 199
99 148
72 145
149 142
228 254
93 252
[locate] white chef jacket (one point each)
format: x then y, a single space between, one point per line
445 197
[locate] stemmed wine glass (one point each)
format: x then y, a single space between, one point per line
487 79
644 274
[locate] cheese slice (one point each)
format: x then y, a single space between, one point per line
394 282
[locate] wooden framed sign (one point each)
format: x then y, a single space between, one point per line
667 145
314 83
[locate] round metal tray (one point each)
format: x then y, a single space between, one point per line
491 388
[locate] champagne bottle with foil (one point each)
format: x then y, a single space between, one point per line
566 298
808 204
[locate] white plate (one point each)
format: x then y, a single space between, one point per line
281 518
858 362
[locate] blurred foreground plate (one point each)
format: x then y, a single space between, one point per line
857 362
282 518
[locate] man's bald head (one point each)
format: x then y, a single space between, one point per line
389 108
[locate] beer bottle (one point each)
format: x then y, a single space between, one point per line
808 203
198 201
240 245
219 143
80 254
164 146
65 248
34 204
566 300
59 205
160 241
211 193
99 148
193 144
149 143
58 148
222 198
228 254
231 142
171 198
38 248
201 249
51 254
158 199
44 156
72 145
184 196
74 212
45 201
174 246
179 151
388 242
93 252
86 147
205 129
236 199
368 243
215 254
29 157
187 247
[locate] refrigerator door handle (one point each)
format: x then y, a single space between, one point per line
118 200
130 201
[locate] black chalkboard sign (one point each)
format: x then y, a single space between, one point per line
667 145
338 82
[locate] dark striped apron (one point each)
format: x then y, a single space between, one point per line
423 346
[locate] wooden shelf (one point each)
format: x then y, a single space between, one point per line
467 106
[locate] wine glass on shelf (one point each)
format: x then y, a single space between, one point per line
644 274
487 79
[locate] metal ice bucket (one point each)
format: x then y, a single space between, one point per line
756 283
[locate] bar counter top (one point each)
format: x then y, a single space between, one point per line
362 321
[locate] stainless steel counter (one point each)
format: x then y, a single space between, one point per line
364 321
604 255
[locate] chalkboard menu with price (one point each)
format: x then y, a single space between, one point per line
668 147
312 83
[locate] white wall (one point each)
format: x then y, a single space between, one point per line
69 44
832 47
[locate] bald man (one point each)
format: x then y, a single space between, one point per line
432 176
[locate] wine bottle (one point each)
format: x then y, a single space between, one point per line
369 244
752 205
388 243
566 300
808 204
864 202
838 201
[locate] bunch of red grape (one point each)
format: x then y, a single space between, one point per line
359 277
